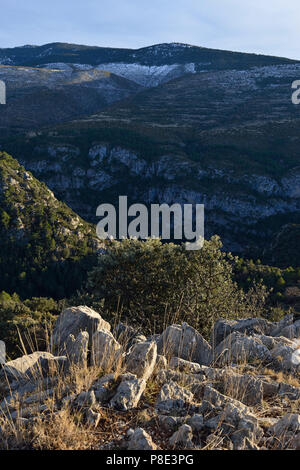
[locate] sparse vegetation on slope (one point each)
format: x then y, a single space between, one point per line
45 247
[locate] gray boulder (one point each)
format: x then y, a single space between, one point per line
271 342
106 351
173 397
128 393
222 328
104 388
278 327
291 331
183 437
50 367
286 358
237 348
186 343
170 424
289 391
251 326
141 440
169 342
21 369
196 422
127 336
184 366
85 399
244 388
78 349
142 359
248 326
288 423
73 321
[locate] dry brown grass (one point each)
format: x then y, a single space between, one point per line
280 376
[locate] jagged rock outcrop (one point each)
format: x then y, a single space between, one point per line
20 369
78 349
238 348
73 321
128 392
183 437
184 366
105 350
173 397
246 400
140 440
142 359
186 343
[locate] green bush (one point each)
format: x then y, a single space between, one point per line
24 325
151 284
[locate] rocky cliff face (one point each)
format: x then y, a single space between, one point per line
235 204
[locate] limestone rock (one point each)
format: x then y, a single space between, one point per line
289 422
141 440
286 321
78 349
286 358
49 367
184 366
170 424
237 348
291 331
173 397
127 336
169 341
183 437
105 350
289 391
244 388
104 388
73 321
86 398
21 368
196 422
222 328
142 359
128 392
186 343
248 326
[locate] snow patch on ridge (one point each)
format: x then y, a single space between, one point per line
148 76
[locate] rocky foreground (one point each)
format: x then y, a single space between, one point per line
99 389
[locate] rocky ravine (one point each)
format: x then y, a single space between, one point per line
175 390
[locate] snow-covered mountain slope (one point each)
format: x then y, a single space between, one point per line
145 75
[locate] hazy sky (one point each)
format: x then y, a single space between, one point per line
262 26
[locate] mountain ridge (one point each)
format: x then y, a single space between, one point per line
226 137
